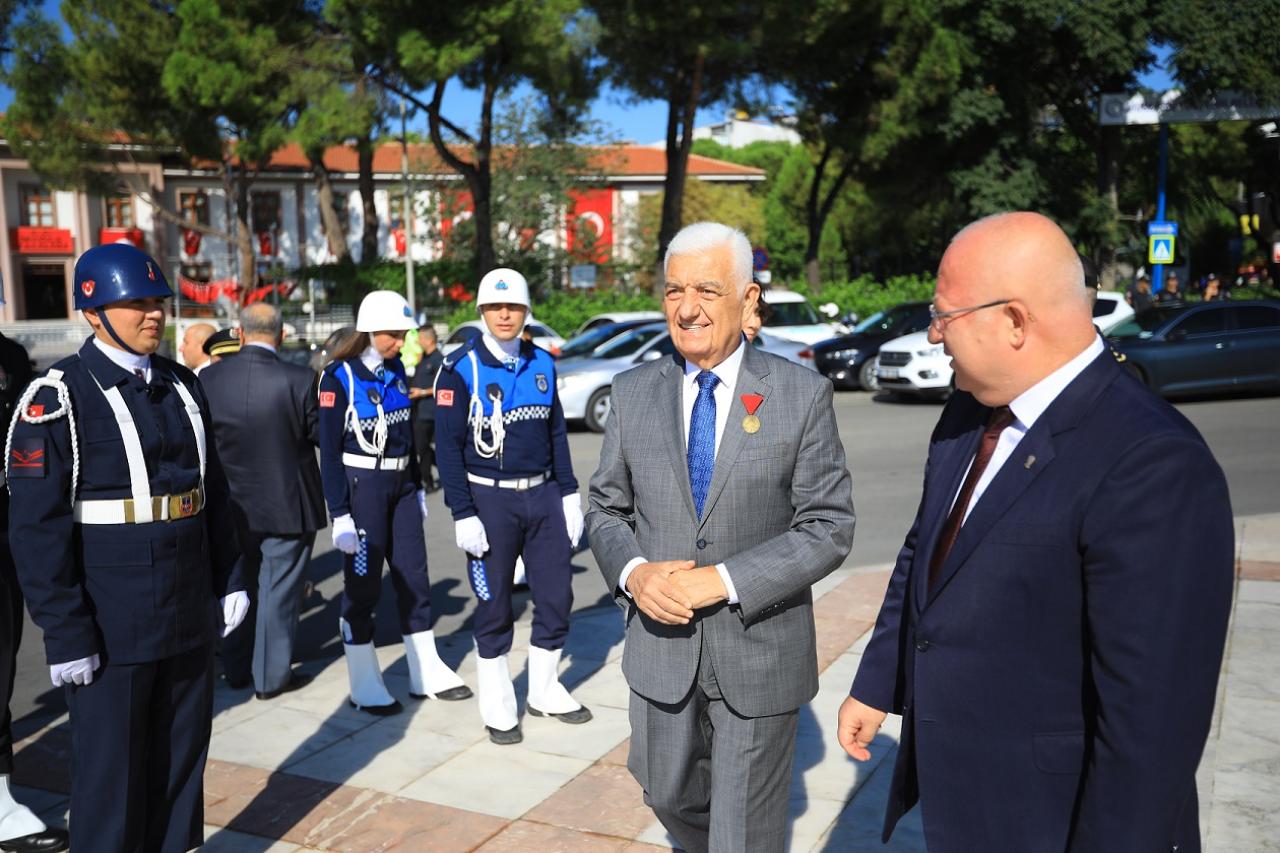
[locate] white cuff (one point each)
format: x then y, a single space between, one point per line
728 583
626 573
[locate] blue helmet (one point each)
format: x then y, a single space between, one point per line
115 272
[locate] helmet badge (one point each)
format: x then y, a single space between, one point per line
501 285
151 271
86 287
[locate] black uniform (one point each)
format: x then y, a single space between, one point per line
15 373
142 595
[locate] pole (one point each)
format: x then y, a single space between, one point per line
1157 274
406 212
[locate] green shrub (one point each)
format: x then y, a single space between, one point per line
865 296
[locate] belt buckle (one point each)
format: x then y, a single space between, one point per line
182 506
522 485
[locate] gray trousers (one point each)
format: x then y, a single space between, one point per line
717 780
273 568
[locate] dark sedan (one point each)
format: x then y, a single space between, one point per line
1205 347
849 361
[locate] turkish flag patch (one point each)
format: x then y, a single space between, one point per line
444 397
35 410
328 399
27 458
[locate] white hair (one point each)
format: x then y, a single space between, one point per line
702 237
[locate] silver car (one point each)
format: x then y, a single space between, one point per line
585 383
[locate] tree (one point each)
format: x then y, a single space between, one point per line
489 45
688 54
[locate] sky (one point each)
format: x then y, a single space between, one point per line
621 118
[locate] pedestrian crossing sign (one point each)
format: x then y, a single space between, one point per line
1160 242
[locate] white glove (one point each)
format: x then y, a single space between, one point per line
422 502
345 538
234 607
573 518
75 672
470 535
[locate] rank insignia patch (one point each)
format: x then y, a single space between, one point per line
27 458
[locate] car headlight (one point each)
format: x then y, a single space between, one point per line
843 354
930 352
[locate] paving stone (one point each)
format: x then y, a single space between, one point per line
617 755
591 741
467 781
396 823
383 758
1259 570
281 737
522 835
219 839
604 799
280 805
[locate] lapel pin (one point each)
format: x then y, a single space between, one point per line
1031 460
751 423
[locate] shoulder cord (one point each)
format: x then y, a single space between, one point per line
379 442
475 412
53 379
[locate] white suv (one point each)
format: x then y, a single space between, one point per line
794 319
912 365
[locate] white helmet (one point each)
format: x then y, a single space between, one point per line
503 285
384 311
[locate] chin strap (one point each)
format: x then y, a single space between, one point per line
106 324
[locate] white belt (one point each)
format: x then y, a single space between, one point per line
124 510
372 463
520 485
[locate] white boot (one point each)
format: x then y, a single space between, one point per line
368 693
497 699
16 820
430 677
547 695
521 577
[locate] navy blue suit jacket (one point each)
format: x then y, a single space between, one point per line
1057 682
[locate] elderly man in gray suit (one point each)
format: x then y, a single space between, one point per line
722 496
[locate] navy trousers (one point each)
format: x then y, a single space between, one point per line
527 524
139 740
384 507
10 640
273 568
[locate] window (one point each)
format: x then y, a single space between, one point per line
791 314
395 208
266 211
1251 317
1202 322
119 210
194 205
37 207
199 272
630 343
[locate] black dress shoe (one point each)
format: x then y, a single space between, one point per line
505 737
379 710
453 694
297 680
238 683
577 717
50 841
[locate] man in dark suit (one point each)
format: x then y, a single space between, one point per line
1050 639
265 425
422 392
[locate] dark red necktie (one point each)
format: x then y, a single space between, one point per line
1000 418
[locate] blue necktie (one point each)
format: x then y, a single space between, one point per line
702 438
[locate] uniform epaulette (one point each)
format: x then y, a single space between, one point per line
457 355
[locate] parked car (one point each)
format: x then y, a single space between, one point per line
635 317
585 382
585 342
911 365
543 335
793 318
1110 310
1204 347
849 361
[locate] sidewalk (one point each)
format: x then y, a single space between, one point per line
305 772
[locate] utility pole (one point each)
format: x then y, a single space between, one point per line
406 211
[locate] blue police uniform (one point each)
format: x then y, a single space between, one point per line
517 491
132 571
377 489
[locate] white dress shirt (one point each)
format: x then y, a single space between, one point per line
126 360
262 344
1027 408
727 372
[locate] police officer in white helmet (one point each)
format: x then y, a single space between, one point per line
377 503
503 454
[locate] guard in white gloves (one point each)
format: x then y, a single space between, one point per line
372 486
503 454
122 537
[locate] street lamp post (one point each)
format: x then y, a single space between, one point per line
406 212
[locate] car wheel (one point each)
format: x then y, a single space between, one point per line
867 376
598 408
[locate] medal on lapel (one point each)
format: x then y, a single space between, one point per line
751 423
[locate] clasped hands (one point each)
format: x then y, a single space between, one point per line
670 591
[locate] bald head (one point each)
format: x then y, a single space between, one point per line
261 322
192 346
1024 262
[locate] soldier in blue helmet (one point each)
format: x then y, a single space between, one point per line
122 537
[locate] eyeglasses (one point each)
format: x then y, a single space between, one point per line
938 319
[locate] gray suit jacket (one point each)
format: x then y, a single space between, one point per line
778 514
